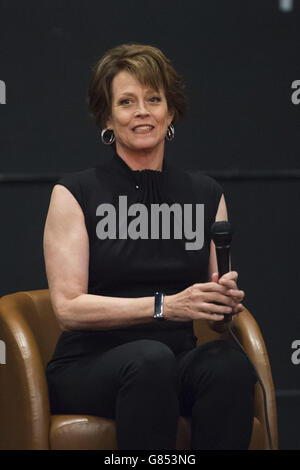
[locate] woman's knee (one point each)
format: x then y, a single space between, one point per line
153 359
236 367
224 365
154 353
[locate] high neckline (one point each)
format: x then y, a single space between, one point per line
127 168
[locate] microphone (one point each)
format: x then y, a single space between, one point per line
222 235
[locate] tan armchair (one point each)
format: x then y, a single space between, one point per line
29 330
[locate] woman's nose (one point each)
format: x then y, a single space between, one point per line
141 109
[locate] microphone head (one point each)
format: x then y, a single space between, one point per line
221 233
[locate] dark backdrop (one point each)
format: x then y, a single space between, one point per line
238 60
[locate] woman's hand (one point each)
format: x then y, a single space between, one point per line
229 280
200 301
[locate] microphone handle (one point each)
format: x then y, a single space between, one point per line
222 253
223 259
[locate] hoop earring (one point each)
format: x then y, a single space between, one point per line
170 132
107 136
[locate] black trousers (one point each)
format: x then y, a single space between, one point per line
144 387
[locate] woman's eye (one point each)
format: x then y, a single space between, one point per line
125 101
155 99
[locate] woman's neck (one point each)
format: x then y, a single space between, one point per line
142 159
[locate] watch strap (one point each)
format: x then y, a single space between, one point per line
159 306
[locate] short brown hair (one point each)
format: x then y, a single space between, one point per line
148 64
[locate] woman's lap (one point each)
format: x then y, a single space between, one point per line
90 385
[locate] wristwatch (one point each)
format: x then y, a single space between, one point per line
158 306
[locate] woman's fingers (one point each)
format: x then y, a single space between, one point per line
212 287
214 308
229 284
231 275
234 293
237 295
229 280
237 309
212 316
219 298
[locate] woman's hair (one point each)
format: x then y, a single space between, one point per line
151 68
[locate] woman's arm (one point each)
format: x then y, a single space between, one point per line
66 253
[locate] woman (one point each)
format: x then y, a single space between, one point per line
105 265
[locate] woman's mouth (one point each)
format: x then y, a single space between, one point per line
143 129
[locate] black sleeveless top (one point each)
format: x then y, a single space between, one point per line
131 260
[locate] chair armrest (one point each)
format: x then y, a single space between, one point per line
248 333
24 401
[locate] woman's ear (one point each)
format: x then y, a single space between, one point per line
171 116
109 124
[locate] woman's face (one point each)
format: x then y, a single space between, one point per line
139 115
